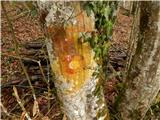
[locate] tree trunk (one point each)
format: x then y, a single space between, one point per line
72 61
143 80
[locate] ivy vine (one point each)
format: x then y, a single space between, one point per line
105 14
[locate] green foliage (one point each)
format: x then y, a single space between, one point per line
105 14
26 6
32 8
11 49
34 13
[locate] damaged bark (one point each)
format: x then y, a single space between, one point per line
72 61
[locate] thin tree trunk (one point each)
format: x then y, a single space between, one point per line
72 61
143 81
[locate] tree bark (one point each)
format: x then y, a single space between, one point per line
72 61
143 80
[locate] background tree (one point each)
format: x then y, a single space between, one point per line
143 75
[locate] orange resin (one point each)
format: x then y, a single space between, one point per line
72 56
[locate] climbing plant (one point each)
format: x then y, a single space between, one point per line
104 14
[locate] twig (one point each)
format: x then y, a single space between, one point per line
17 103
20 103
114 72
42 72
5 109
111 68
17 57
17 50
49 90
25 58
22 14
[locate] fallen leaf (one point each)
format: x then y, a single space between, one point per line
23 115
35 108
45 118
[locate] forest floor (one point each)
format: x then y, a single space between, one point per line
27 29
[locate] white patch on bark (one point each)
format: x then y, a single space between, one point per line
59 12
75 105
158 75
44 5
151 58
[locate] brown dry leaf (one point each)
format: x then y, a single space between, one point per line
45 118
23 115
35 108
64 117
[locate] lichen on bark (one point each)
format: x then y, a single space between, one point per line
73 63
143 82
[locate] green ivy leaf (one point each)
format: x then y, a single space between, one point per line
97 52
88 8
107 11
109 27
104 20
106 48
104 37
96 39
34 13
11 49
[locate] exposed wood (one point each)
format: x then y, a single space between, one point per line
80 92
